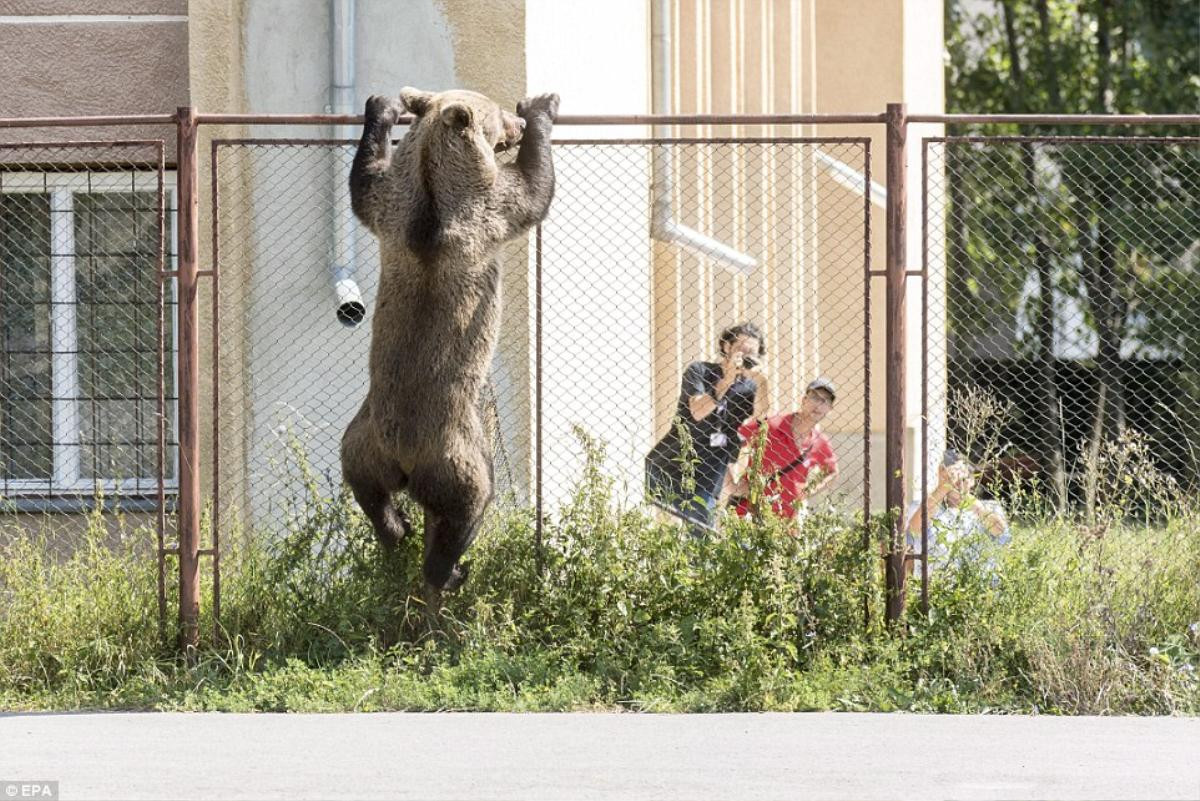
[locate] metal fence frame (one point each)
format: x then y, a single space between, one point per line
895 121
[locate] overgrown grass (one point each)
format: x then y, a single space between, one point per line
626 612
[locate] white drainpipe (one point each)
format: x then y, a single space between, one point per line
350 307
663 225
845 175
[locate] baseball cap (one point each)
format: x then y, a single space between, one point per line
822 383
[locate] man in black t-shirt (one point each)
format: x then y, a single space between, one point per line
685 469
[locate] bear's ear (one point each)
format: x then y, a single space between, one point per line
457 116
415 100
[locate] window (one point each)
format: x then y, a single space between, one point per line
79 327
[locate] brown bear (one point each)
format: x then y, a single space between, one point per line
441 206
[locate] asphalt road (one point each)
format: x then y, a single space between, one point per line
600 756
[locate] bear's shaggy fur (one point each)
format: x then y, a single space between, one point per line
440 206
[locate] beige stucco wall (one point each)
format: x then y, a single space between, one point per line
870 53
489 46
57 60
79 7
87 68
215 57
864 39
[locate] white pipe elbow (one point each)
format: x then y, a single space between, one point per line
351 310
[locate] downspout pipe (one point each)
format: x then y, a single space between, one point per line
350 309
663 225
845 175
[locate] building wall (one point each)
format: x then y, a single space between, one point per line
752 56
869 53
81 58
216 63
740 58
111 57
867 39
797 56
596 270
90 57
749 57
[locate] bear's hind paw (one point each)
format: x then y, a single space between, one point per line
458 575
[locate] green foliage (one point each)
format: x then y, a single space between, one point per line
83 627
1086 250
626 611
1127 56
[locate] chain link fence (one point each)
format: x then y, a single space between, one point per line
1061 348
604 308
651 251
1057 335
297 282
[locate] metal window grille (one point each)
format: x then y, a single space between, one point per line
86 337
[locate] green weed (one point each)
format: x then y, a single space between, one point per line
620 610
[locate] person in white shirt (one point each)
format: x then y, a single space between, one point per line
953 512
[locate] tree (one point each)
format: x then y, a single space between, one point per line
1102 225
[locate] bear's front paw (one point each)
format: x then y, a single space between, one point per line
382 109
542 104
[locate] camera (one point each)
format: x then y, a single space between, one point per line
748 362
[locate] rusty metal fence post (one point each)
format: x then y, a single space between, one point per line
896 363
189 380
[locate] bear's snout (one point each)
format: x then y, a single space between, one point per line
514 129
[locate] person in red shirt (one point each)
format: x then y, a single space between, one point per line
797 457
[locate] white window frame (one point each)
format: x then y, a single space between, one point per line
67 479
